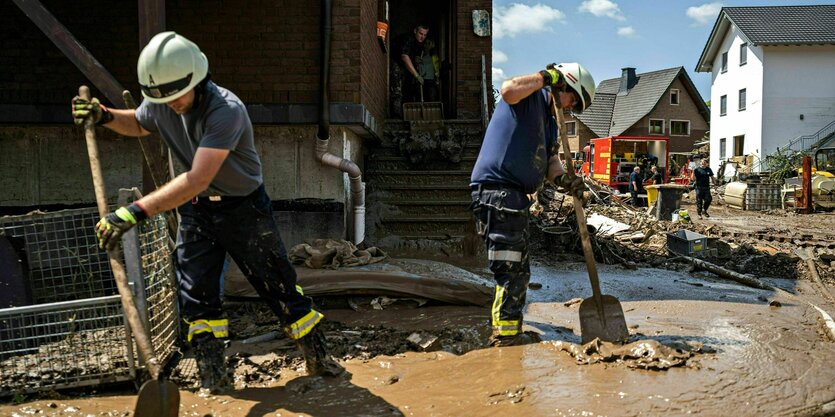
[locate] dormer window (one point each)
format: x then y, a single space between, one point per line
674 97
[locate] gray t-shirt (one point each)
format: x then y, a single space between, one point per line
219 121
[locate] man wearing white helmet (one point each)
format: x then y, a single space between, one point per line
221 201
518 152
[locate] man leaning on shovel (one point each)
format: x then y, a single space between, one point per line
519 151
221 200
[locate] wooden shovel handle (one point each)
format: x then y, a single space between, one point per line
140 333
585 240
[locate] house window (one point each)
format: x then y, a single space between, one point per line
722 144
743 54
571 128
674 96
680 127
723 105
742 99
724 62
656 126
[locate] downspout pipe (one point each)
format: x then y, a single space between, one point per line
323 134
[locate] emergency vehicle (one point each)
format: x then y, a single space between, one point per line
611 160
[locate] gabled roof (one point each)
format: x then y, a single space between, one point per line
771 25
611 114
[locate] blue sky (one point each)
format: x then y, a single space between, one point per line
607 35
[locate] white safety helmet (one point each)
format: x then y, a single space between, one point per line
580 81
169 66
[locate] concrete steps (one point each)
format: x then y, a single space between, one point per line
421 201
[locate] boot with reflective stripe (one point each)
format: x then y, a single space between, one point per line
519 339
314 348
211 363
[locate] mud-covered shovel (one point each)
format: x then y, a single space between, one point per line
157 397
601 316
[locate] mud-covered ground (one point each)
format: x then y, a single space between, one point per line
426 359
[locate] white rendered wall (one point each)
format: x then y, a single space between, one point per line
735 122
798 80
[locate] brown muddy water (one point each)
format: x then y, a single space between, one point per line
743 352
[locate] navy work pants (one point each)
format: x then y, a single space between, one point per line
243 227
501 216
703 199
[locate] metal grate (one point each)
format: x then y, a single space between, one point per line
74 332
62 255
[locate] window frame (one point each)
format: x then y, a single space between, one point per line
743 54
723 145
724 64
677 96
568 130
743 99
679 134
723 105
663 127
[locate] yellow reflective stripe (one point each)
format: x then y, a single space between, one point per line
299 289
497 303
126 215
304 325
504 255
219 328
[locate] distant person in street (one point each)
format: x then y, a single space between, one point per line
221 200
702 176
656 175
405 78
520 151
636 185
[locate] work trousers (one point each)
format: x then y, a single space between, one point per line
501 216
703 199
243 227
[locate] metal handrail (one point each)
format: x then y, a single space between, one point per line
806 142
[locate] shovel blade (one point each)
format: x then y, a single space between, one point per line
610 327
158 398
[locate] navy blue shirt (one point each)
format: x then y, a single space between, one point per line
636 179
517 144
703 177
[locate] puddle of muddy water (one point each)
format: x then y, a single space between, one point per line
757 359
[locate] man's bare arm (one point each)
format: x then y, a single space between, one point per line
207 162
124 122
517 88
408 62
555 168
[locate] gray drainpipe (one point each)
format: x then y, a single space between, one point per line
323 135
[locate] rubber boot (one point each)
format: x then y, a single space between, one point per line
519 339
314 349
211 363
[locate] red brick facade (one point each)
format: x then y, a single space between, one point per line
469 50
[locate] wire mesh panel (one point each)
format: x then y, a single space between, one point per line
62 256
73 333
61 345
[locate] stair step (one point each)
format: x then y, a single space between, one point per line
420 209
423 228
424 219
411 194
460 180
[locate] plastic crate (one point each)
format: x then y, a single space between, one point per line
686 242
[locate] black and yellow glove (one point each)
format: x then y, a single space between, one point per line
83 109
552 77
111 227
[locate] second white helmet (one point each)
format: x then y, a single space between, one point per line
169 67
580 81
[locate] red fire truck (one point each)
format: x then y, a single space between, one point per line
611 160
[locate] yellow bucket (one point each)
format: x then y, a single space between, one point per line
652 194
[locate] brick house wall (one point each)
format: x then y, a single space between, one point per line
686 110
469 50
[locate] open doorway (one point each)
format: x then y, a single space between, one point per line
404 17
739 145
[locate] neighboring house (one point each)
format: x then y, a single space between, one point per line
772 71
267 53
662 103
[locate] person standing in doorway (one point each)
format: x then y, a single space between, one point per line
520 151
221 199
702 177
405 79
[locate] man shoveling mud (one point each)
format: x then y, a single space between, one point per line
221 200
519 151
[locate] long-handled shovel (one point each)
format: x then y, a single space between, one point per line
157 397
601 316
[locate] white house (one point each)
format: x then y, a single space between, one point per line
773 72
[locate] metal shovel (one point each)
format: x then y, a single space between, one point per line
157 397
601 316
